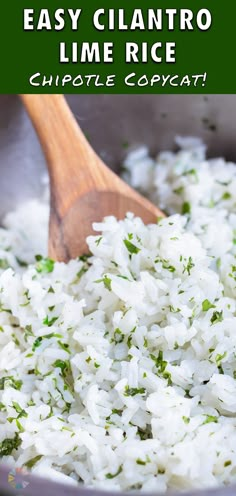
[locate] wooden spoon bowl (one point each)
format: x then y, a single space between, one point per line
83 189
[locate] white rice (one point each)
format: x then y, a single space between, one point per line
120 371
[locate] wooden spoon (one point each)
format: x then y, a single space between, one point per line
83 189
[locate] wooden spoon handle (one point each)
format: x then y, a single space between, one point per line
67 151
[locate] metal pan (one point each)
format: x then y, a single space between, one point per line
111 122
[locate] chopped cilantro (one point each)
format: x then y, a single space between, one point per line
206 305
220 357
159 362
28 331
30 464
133 391
49 322
226 196
98 240
217 317
173 309
9 445
39 340
140 462
209 419
4 264
123 277
106 281
64 365
118 336
111 476
218 263
165 264
9 381
15 340
44 265
114 263
179 191
191 172
19 410
132 249
84 258
81 272
64 346
19 426
21 263
125 144
189 266
186 208
116 412
161 366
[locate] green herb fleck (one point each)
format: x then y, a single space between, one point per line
39 340
132 249
226 196
133 391
186 208
118 335
19 426
98 240
116 412
44 265
9 381
9 445
21 263
64 346
19 410
30 464
106 281
49 322
111 476
206 305
140 462
189 266
209 419
80 273
220 357
178 191
64 365
4 264
217 317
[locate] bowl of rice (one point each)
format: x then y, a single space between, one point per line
118 369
